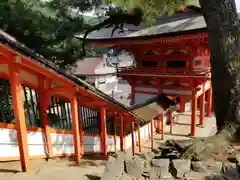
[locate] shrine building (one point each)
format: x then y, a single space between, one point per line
171 58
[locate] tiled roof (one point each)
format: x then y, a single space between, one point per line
179 23
87 66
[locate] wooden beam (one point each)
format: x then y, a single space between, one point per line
63 89
151 133
121 133
44 99
103 132
34 65
17 102
75 126
202 107
133 139
139 137
194 114
134 41
115 133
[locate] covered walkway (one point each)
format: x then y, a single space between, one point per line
41 109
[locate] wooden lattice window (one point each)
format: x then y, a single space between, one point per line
59 113
90 120
31 105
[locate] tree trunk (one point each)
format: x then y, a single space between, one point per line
224 42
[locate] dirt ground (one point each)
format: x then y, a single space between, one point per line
91 167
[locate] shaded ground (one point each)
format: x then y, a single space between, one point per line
91 167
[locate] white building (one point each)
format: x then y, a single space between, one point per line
101 72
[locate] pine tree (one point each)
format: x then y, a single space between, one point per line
47 27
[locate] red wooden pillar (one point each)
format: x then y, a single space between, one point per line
132 102
194 113
17 102
81 132
202 107
121 133
162 124
125 123
182 104
139 137
133 139
75 127
170 120
103 131
151 132
209 102
115 134
44 102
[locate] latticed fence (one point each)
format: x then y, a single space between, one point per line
59 111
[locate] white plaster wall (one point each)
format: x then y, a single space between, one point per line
110 143
145 133
92 143
61 143
9 144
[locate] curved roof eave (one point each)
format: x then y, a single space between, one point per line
142 38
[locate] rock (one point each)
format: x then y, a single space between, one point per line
230 171
135 167
210 166
199 166
238 157
173 155
163 165
113 170
147 156
214 177
194 176
183 144
125 177
155 174
180 167
121 156
111 160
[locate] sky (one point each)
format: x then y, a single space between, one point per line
238 5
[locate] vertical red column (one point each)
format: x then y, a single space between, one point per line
125 123
162 124
44 101
139 136
121 133
80 132
194 111
202 107
17 102
182 104
151 131
115 134
209 102
75 127
133 139
170 120
103 132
